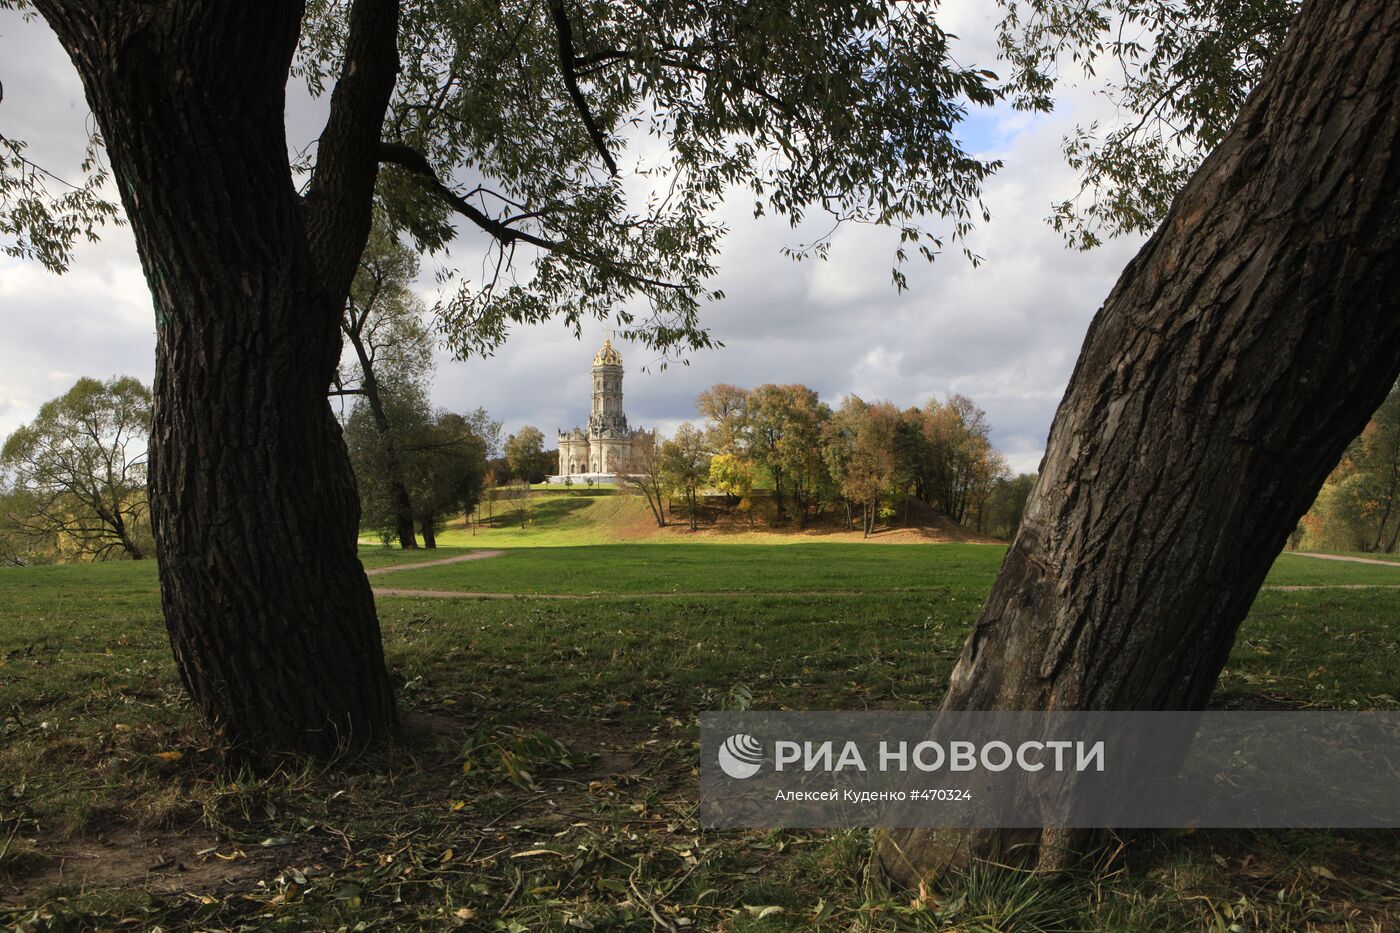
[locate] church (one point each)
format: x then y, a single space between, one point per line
606 448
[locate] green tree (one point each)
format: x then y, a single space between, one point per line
685 468
524 452
784 429
961 463
380 457
390 350
1006 504
439 456
78 471
446 470
21 545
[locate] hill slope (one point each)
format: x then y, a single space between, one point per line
559 518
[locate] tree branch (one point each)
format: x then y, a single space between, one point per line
565 34
409 158
339 201
414 161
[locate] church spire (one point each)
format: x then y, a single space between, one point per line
606 355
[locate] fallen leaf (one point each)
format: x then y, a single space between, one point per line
529 852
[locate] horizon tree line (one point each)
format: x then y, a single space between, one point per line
868 458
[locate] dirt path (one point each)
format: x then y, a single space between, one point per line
474 555
1350 560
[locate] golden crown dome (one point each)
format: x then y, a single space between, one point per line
607 356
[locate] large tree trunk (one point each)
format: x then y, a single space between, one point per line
252 500
1242 349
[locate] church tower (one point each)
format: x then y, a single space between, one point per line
606 447
607 419
609 438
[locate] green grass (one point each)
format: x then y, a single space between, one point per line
1368 555
1297 570
798 567
99 754
718 567
556 518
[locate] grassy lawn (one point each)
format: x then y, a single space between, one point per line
545 778
797 567
688 568
1368 555
1298 570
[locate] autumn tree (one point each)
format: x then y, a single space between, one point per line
685 468
732 475
1359 505
784 426
77 472
860 449
490 492
725 409
961 463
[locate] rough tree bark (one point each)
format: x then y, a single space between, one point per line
1242 349
253 503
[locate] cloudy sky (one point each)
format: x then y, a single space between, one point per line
1005 333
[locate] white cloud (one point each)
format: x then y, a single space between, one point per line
1006 333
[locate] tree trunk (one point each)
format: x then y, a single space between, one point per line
132 549
398 489
425 525
1242 349
252 500
113 519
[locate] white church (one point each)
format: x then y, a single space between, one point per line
605 449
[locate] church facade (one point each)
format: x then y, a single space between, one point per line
605 448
